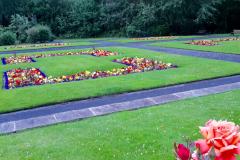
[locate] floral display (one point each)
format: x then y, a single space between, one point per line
143 64
203 43
97 53
100 53
155 38
21 78
221 141
212 42
17 59
37 45
29 59
230 39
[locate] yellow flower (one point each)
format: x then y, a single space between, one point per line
87 73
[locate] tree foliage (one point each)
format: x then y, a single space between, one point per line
7 38
39 33
91 18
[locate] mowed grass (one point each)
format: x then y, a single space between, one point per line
15 47
189 69
68 65
224 47
135 135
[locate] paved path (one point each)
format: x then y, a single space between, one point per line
144 45
21 120
17 121
105 44
201 54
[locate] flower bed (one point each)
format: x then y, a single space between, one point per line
155 38
97 53
29 59
36 45
203 43
17 60
211 42
21 78
143 64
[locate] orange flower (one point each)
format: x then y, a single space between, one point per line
223 137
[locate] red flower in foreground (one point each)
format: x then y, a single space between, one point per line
223 137
182 152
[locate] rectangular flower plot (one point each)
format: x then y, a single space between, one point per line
143 64
37 45
213 42
134 65
17 60
23 77
28 77
29 59
96 53
155 38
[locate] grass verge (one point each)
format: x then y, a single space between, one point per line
232 47
189 69
75 43
143 134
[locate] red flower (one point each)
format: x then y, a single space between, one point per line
183 152
18 82
223 137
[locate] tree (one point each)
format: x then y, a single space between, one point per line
83 17
19 25
91 18
142 23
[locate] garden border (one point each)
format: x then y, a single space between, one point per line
22 124
126 72
4 61
5 79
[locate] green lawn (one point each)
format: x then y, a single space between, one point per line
56 66
146 134
75 43
225 47
190 69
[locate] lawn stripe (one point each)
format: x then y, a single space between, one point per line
143 45
14 125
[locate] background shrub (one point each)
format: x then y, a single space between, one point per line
7 38
100 18
133 31
40 34
1 30
19 25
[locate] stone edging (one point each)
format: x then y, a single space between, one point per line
20 125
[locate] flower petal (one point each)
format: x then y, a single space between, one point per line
228 148
203 146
